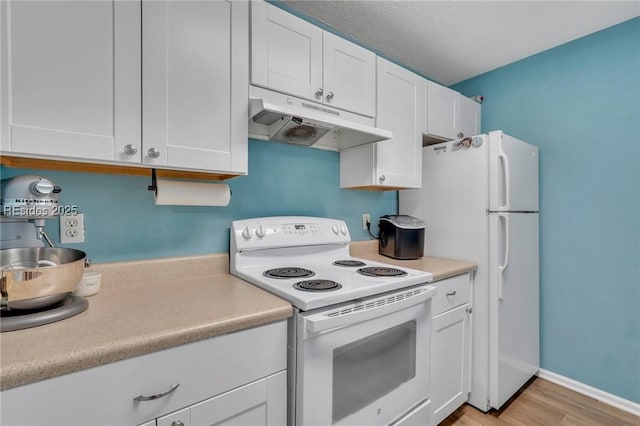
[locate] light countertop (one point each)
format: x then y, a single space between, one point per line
146 306
440 268
142 307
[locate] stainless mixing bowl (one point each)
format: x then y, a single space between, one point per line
34 278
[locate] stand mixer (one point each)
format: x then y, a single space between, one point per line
26 202
36 281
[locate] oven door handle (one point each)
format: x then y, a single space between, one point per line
368 309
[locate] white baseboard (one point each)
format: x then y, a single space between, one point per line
600 395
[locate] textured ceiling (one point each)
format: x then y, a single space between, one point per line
451 41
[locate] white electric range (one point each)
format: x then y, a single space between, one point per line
359 340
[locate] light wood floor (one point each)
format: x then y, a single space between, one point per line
543 403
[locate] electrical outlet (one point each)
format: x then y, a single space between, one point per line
366 219
72 229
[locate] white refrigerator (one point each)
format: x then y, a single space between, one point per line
479 200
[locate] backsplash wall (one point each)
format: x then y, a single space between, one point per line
123 223
580 103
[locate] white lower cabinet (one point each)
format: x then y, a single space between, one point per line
450 346
261 403
222 381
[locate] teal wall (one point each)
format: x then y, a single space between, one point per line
580 103
123 223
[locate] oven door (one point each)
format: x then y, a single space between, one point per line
365 363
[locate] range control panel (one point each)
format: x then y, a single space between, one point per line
287 231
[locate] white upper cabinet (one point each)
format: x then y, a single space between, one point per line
395 163
440 111
349 76
469 114
291 55
195 80
70 74
286 52
79 79
449 115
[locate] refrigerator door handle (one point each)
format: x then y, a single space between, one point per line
506 244
507 177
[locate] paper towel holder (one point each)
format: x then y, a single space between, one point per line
154 183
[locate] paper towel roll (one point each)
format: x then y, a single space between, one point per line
184 193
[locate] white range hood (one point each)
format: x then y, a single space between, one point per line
283 118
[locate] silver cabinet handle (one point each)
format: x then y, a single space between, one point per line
451 293
130 149
319 92
330 96
140 398
469 310
177 423
382 178
153 153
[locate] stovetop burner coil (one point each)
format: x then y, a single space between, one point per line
317 285
381 271
349 263
288 272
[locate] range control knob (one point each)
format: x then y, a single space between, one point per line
246 233
43 187
335 229
343 229
260 232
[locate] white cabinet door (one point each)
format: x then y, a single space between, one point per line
449 361
468 117
71 79
399 108
293 56
449 114
261 403
440 112
286 52
395 163
195 78
349 76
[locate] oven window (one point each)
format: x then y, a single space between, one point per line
368 369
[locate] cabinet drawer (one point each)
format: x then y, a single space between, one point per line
105 395
452 292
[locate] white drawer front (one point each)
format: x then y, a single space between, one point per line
452 292
104 395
